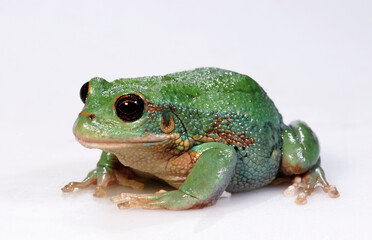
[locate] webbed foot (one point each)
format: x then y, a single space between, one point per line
103 177
109 171
307 183
173 200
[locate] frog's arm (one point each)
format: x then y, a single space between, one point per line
108 170
202 187
300 158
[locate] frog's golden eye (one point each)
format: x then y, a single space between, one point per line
84 91
129 107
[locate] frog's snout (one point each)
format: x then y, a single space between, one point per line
83 124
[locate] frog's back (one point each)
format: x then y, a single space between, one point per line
214 89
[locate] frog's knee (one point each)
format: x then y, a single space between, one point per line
300 148
212 172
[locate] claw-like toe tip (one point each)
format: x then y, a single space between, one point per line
67 188
333 192
290 191
301 199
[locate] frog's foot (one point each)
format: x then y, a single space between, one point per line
300 158
307 183
104 176
174 200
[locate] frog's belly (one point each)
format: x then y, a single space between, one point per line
150 162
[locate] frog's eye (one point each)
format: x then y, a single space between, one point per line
129 107
84 91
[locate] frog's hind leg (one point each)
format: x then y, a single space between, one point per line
301 159
214 167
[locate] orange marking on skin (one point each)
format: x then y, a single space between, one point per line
149 105
87 114
152 107
113 105
88 90
181 165
194 157
229 137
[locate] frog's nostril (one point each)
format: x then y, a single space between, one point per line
88 114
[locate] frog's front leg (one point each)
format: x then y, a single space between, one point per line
215 164
109 170
301 159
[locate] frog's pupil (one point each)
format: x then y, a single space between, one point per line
129 107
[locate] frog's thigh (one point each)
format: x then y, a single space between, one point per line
301 159
215 164
300 149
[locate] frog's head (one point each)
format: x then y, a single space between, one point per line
120 114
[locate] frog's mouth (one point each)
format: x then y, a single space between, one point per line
112 143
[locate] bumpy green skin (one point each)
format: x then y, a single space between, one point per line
216 93
205 103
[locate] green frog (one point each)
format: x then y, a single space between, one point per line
204 132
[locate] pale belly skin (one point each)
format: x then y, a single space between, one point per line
203 132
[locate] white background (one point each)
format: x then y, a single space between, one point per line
312 57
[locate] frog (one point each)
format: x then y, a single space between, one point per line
204 132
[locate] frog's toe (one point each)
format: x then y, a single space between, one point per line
147 202
302 198
331 190
292 189
68 188
130 200
129 197
83 184
299 185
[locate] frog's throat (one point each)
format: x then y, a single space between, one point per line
109 143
